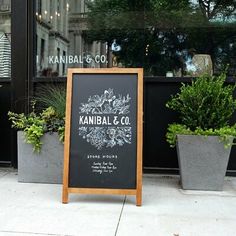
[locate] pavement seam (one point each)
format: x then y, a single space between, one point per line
32 233
121 212
6 173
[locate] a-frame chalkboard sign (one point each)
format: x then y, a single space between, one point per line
103 134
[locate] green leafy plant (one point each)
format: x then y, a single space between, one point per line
36 125
224 133
52 96
205 107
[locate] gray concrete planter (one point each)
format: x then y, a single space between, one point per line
202 162
43 167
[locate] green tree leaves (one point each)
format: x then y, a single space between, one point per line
170 29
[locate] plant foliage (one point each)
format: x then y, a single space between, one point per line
205 107
224 133
53 96
36 125
206 103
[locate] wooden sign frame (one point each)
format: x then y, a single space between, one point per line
138 190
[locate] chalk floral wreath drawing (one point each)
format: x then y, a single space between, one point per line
105 104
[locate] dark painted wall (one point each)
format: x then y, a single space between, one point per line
156 117
157 153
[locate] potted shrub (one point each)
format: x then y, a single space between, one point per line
204 137
39 138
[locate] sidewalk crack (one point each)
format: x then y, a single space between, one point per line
121 212
5 173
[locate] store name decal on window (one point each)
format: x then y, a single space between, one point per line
75 59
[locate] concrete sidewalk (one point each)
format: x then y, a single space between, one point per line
36 209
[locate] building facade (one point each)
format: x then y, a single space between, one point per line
172 41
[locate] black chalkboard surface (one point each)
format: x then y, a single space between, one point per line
103 143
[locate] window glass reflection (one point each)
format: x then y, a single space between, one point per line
5 38
167 38
61 26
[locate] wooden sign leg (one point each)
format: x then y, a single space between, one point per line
139 198
65 195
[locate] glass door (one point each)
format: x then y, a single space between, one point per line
5 81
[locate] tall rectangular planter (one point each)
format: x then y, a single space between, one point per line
43 167
202 162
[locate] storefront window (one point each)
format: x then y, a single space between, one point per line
166 38
5 38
